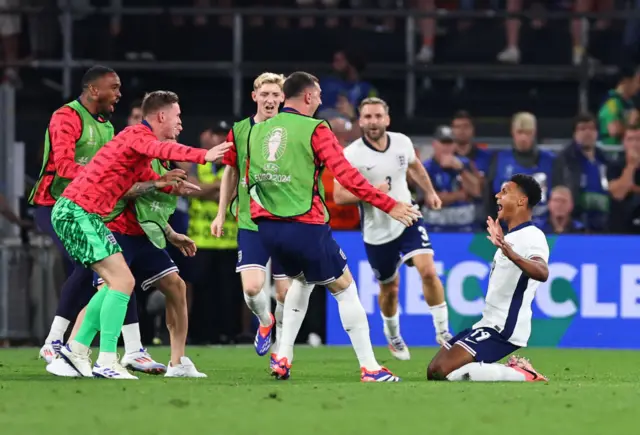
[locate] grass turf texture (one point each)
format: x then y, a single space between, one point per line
590 392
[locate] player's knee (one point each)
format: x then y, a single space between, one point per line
437 370
124 283
390 289
428 272
252 288
282 286
174 288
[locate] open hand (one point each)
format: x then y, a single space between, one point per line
183 243
217 152
405 213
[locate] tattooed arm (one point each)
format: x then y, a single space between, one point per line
140 189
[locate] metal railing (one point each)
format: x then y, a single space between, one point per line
238 68
30 277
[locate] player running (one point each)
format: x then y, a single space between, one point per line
77 219
252 256
385 159
287 154
75 133
519 266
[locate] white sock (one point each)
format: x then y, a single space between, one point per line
260 306
279 314
295 308
131 338
480 372
58 328
354 321
107 358
440 315
391 324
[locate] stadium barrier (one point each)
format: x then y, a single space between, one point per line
30 276
591 300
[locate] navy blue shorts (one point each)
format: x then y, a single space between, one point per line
386 259
253 255
147 263
484 344
303 250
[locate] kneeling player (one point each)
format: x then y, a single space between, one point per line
385 159
519 266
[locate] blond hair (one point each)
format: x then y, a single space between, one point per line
524 121
268 78
374 100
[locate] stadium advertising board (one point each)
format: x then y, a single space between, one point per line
591 300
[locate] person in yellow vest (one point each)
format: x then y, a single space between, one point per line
217 289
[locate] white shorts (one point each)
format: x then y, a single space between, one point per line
9 23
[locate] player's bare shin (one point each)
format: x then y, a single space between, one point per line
175 292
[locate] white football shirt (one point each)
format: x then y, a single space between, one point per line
388 166
511 292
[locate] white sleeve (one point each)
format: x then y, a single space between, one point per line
538 246
411 150
350 154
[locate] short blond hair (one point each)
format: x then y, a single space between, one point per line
524 121
374 100
268 78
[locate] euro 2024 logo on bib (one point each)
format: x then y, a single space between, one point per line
273 148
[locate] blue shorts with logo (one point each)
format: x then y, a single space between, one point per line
253 255
386 259
303 250
484 344
147 263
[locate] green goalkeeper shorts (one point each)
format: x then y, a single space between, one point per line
83 234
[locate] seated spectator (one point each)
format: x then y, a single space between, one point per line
583 169
624 186
618 111
463 133
343 92
524 158
456 184
560 209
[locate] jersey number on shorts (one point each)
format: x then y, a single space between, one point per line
424 236
478 335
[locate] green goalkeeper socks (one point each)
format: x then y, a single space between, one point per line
112 315
91 323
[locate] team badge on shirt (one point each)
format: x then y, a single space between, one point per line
273 148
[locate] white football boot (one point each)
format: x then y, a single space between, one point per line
398 347
141 361
186 369
80 361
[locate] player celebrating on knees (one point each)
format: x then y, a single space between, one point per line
519 266
287 154
252 256
385 159
92 195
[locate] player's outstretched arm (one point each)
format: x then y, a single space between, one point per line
178 152
156 182
329 152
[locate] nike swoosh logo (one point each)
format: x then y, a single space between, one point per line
368 168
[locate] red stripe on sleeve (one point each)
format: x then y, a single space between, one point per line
65 129
329 151
230 158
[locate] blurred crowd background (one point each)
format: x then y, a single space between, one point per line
482 87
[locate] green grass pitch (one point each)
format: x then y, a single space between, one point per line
590 392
